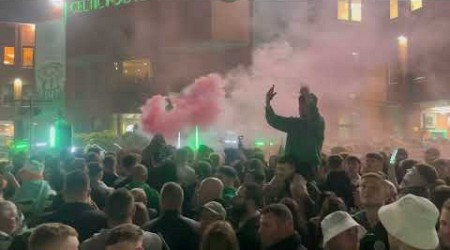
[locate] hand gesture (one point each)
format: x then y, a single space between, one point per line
270 95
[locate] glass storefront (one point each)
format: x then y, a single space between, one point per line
436 123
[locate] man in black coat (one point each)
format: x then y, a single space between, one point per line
77 210
179 232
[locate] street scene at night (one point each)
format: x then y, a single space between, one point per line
224 124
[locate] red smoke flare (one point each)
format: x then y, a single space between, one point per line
198 105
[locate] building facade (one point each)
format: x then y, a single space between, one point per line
121 53
17 44
419 82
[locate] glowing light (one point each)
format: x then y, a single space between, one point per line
441 110
57 3
130 128
17 86
21 146
197 139
52 136
402 40
260 143
230 141
179 140
41 144
354 53
73 149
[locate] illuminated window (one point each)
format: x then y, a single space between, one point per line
343 10
416 4
137 69
356 10
394 9
27 57
27 34
349 10
9 55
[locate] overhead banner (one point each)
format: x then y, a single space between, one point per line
50 66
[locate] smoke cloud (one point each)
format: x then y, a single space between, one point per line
343 63
198 105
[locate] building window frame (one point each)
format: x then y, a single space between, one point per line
394 9
4 52
415 5
348 10
31 65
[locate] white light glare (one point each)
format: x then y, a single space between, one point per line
57 3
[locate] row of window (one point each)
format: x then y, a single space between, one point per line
351 10
9 56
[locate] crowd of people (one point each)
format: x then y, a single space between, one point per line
181 199
167 198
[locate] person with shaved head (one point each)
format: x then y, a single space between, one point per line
139 175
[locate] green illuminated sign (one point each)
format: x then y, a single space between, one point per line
81 6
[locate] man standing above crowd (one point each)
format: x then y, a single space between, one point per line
305 134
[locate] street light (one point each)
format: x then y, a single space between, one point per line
402 40
17 87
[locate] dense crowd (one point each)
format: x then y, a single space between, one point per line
178 199
181 199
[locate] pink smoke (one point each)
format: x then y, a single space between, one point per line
198 105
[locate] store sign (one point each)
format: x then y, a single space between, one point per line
81 6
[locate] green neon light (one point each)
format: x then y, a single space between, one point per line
260 143
52 136
80 6
197 140
21 145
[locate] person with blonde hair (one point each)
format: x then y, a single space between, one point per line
219 236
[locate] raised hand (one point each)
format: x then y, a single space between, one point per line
270 95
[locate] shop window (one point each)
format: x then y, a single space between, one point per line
231 20
27 35
27 57
416 4
137 69
393 9
9 56
349 10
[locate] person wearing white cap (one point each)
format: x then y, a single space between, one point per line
33 194
341 231
410 223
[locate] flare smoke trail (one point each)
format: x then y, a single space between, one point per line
198 105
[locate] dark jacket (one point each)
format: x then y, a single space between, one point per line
305 135
120 183
99 193
376 237
109 179
179 232
339 183
248 236
83 217
293 242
